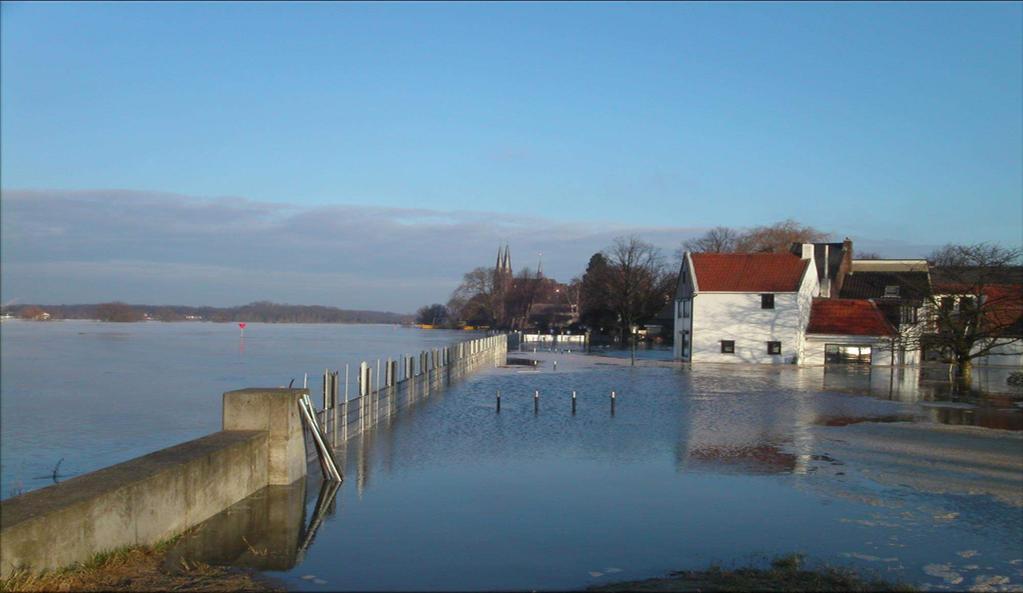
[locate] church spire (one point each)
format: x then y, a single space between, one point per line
539 266
507 258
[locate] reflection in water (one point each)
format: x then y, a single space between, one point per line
990 403
696 466
266 531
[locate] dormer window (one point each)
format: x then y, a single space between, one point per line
891 291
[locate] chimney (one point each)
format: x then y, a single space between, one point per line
844 267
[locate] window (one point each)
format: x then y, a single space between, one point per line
727 346
841 353
891 291
907 315
767 301
774 347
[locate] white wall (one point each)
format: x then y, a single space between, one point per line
808 289
1010 355
737 316
683 291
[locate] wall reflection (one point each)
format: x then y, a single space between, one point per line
266 531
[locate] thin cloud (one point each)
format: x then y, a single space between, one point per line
150 247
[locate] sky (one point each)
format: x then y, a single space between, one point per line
365 155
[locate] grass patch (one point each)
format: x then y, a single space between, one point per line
137 568
787 573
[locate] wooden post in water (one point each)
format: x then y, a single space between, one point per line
573 403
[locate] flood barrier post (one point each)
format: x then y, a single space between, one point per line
344 417
326 386
536 402
573 402
498 401
612 403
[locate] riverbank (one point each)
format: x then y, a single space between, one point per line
141 568
148 568
785 574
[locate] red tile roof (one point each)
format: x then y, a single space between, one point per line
848 317
748 272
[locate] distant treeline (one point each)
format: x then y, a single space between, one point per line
262 311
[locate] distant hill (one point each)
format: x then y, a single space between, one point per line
262 311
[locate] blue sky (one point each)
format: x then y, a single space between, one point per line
900 125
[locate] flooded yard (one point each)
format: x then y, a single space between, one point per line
693 467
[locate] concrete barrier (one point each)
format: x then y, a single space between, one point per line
154 497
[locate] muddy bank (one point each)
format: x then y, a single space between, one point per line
785 574
141 569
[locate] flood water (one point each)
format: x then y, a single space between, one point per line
886 472
95 394
694 467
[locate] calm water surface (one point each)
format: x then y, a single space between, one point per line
694 467
95 394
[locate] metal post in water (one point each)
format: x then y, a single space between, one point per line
536 402
573 402
326 386
555 365
344 417
612 403
498 401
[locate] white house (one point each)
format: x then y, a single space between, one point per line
744 307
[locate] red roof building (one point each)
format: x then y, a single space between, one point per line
748 272
848 317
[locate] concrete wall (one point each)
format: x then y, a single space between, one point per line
154 497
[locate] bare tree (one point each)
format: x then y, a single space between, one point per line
868 255
773 238
777 237
976 308
637 281
526 289
720 239
473 300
